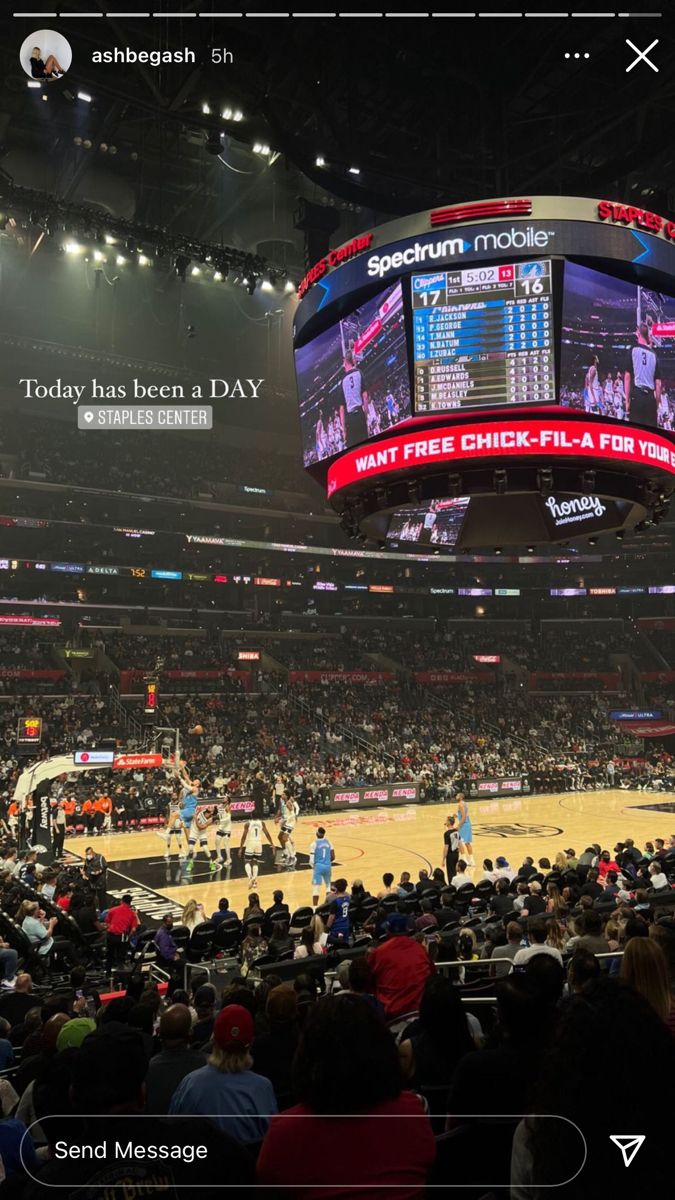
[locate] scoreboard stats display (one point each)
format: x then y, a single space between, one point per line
483 336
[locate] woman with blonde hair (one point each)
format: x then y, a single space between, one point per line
645 968
560 863
193 914
555 905
51 69
556 935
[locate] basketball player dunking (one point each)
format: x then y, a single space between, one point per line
195 821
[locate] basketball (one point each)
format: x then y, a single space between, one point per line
197 730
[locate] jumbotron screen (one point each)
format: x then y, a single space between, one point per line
484 336
618 349
438 524
353 378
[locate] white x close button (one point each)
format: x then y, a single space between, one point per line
642 55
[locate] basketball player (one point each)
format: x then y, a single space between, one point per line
451 847
174 827
251 848
591 386
642 380
289 811
223 832
353 412
194 822
321 857
465 831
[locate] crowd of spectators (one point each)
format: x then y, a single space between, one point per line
418 1002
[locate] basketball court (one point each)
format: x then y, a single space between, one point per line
373 841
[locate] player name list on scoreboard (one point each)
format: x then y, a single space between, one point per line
483 336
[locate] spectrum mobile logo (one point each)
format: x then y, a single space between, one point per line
492 241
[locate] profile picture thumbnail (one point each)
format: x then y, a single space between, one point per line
45 55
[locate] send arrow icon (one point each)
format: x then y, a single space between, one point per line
628 1143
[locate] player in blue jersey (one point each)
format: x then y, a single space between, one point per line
322 857
194 823
465 830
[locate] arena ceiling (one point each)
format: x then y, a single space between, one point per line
428 111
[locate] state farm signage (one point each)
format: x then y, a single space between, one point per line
129 762
334 258
640 218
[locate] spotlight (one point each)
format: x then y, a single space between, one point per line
354 170
72 247
34 83
217 275
206 109
130 245
180 265
84 96
592 541
499 482
498 550
620 534
109 240
289 286
99 256
530 549
196 271
143 260
319 161
266 286
238 115
120 260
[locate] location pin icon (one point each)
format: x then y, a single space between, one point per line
88 416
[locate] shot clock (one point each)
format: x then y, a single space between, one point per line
151 698
483 336
29 731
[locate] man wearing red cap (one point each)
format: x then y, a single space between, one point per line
226 1087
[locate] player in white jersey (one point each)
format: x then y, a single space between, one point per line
287 816
251 848
174 827
609 396
223 818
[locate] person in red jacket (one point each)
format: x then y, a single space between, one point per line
355 1130
400 967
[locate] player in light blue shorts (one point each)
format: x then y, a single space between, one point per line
465 831
322 856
